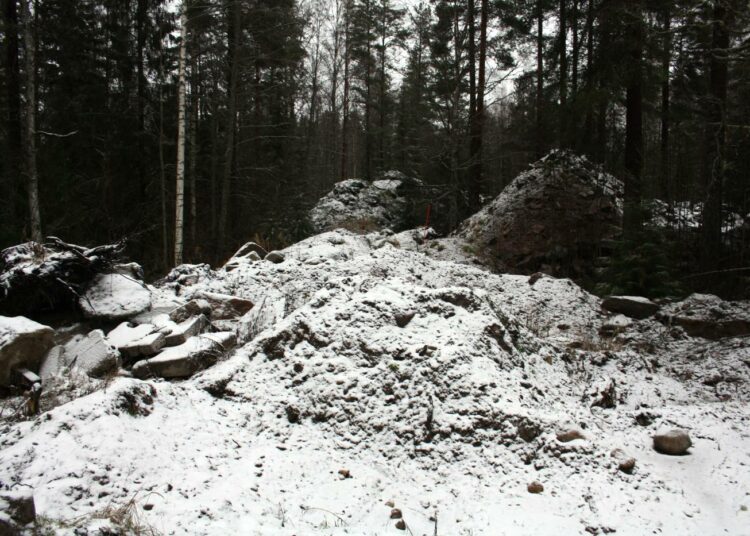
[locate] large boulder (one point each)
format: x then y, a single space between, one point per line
552 217
675 442
114 297
23 344
92 354
363 206
709 317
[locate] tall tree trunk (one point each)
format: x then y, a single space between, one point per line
563 44
180 179
35 218
633 122
162 165
345 105
226 181
539 78
576 46
194 118
475 172
13 96
589 121
716 136
473 190
141 15
665 105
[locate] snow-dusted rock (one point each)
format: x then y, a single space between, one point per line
23 344
249 252
115 296
630 306
191 308
365 206
17 512
708 316
182 361
93 354
674 442
186 329
550 216
275 257
224 306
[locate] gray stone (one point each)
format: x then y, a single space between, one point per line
674 442
92 354
570 434
535 487
275 257
631 306
115 297
191 308
17 512
185 330
225 306
23 344
182 361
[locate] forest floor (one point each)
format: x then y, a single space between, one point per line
375 375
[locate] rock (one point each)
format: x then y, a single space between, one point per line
93 354
136 341
191 308
345 473
114 297
401 524
225 306
674 442
551 218
536 276
396 513
361 206
23 344
184 330
403 319
250 252
182 361
535 487
709 317
630 306
625 463
605 394
615 325
17 512
275 257
570 434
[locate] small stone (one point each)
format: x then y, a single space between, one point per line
345 473
625 463
533 278
570 434
675 442
632 306
403 319
401 524
191 308
148 507
396 514
275 257
535 487
390 504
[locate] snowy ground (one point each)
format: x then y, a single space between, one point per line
375 376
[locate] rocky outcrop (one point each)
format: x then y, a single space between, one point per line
23 345
363 206
552 217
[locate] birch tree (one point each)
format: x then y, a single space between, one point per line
180 189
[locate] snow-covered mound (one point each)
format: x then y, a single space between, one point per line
549 217
374 377
364 206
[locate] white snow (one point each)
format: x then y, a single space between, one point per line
115 296
436 385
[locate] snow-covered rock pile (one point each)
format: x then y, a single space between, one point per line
551 217
364 206
377 389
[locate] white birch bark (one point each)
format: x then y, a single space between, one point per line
180 189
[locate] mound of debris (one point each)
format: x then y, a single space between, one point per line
363 206
553 217
36 278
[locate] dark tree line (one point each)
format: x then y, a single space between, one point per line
282 98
